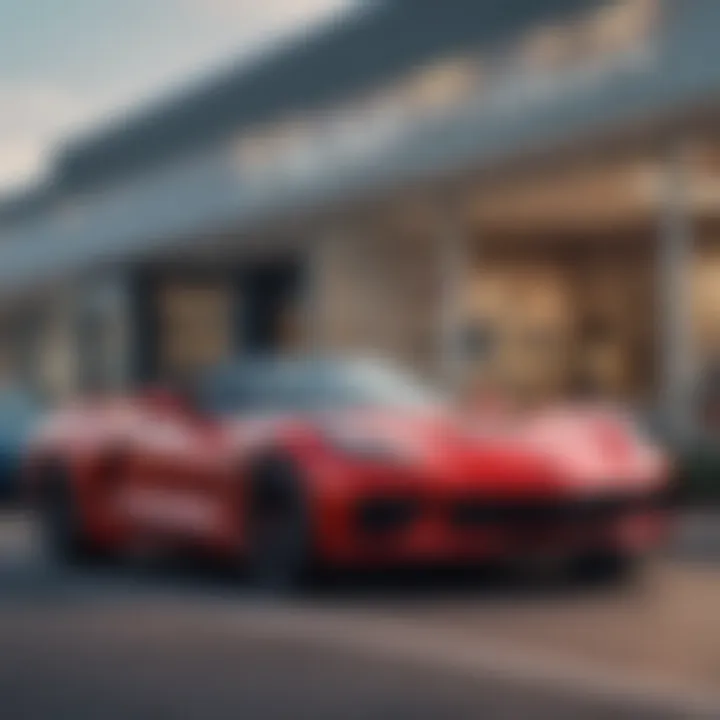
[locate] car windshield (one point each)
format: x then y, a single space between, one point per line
307 386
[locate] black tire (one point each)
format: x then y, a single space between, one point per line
607 568
280 548
61 521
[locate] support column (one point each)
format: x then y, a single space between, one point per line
455 264
675 248
314 295
329 291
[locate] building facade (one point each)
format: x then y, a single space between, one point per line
519 193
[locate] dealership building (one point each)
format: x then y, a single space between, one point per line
523 192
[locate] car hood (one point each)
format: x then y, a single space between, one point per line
578 450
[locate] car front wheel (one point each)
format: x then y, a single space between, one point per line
280 552
611 568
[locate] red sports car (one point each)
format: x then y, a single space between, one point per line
295 464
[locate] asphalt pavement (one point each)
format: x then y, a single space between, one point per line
177 642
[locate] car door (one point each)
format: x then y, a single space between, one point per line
174 477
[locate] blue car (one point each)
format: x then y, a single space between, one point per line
18 415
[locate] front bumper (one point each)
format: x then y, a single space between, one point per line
389 528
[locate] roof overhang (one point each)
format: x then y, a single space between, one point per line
678 73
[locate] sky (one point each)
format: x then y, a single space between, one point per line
66 65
